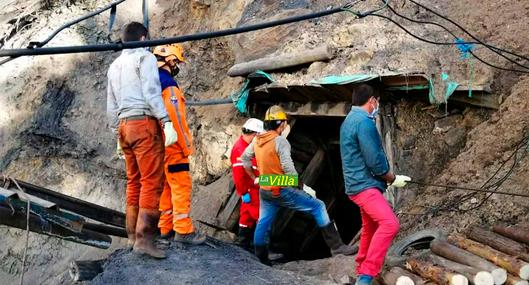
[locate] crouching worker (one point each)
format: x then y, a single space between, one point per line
246 187
175 202
272 153
366 173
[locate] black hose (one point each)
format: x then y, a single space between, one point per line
210 102
179 39
73 22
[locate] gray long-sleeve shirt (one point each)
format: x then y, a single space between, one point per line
283 150
134 87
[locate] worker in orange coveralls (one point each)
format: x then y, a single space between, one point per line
175 202
245 186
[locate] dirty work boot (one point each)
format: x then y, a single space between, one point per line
244 239
131 219
145 232
261 251
194 238
333 240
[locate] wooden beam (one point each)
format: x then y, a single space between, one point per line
104 229
499 242
435 273
321 53
85 270
451 252
325 109
476 276
491 101
226 218
511 264
393 277
513 232
74 205
17 219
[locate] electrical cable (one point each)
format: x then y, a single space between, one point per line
446 44
469 189
465 31
163 41
492 48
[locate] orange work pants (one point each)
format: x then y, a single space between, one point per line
175 203
143 147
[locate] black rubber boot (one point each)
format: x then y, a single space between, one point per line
333 240
261 251
244 239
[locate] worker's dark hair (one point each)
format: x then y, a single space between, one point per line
272 125
362 93
247 132
133 31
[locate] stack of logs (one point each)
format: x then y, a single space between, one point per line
482 257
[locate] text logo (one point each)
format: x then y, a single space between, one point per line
282 180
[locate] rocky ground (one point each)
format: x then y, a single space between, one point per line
53 133
226 264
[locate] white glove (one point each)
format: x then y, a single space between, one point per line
400 181
170 134
119 151
256 181
309 191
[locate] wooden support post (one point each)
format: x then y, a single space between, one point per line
513 232
395 274
499 242
281 61
37 225
511 280
511 264
435 273
451 252
476 276
85 270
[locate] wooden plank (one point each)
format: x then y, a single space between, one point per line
321 53
326 109
38 225
74 205
225 217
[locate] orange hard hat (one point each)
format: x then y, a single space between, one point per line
169 52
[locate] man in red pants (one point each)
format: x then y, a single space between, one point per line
135 109
367 175
245 186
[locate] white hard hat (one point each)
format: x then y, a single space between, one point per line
254 125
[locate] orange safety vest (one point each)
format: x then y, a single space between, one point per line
174 102
267 158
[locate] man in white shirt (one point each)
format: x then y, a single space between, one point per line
135 110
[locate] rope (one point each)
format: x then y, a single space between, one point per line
469 189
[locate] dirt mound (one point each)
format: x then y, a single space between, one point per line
487 153
225 264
